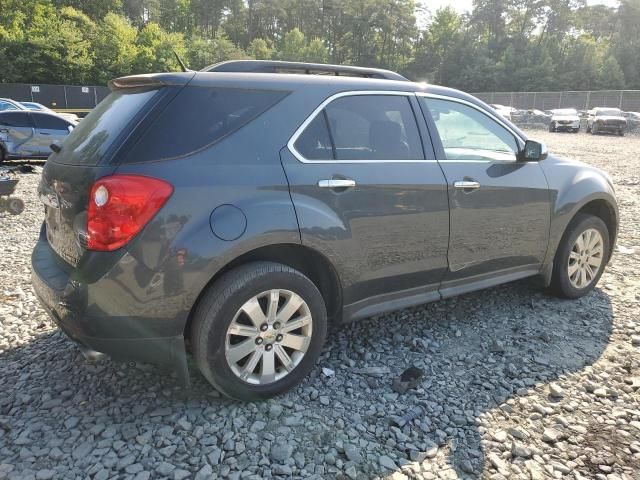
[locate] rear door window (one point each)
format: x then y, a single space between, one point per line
49 122
16 118
199 117
89 141
374 127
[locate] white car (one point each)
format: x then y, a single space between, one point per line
503 110
71 117
564 119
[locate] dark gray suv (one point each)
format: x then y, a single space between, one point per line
236 214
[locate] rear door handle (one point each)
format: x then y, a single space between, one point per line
466 184
337 183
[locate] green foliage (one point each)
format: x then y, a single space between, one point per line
500 45
259 49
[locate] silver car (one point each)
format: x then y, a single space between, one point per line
28 135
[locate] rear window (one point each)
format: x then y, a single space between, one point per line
199 117
93 136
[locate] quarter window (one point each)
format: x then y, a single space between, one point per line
363 127
315 142
468 134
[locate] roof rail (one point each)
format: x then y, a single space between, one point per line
270 66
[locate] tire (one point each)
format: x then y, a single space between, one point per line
221 306
552 127
621 133
15 206
594 129
576 130
588 128
561 283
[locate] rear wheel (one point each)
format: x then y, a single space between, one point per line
621 132
552 127
581 257
258 331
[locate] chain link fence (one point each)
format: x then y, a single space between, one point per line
627 100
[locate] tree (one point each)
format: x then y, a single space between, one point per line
259 49
293 46
610 74
114 47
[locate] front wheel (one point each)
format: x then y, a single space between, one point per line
621 133
259 330
552 127
581 257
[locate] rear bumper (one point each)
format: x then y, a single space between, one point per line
124 338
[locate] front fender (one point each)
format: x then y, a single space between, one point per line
573 186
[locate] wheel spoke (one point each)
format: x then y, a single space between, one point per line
289 308
583 277
595 240
268 373
284 357
580 243
572 269
589 272
243 330
297 342
251 364
594 261
574 255
296 324
274 299
239 351
254 311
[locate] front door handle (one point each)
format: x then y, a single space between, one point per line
466 185
337 183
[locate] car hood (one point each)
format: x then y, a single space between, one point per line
572 118
610 118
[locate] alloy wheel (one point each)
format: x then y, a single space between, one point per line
585 258
268 336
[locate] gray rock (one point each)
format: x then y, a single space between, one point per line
204 473
165 468
387 462
281 452
257 426
353 453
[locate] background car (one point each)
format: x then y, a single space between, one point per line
28 135
565 119
502 110
72 117
8 104
606 120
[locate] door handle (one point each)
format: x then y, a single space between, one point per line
466 185
337 183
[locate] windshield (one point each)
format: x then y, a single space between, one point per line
565 111
614 112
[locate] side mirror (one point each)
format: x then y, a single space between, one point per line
533 151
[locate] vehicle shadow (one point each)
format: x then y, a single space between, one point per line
478 351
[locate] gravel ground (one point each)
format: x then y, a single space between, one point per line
517 384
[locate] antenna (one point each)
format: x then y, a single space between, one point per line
180 62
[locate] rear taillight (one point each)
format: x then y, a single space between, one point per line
120 206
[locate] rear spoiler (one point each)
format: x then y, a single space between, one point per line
150 81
